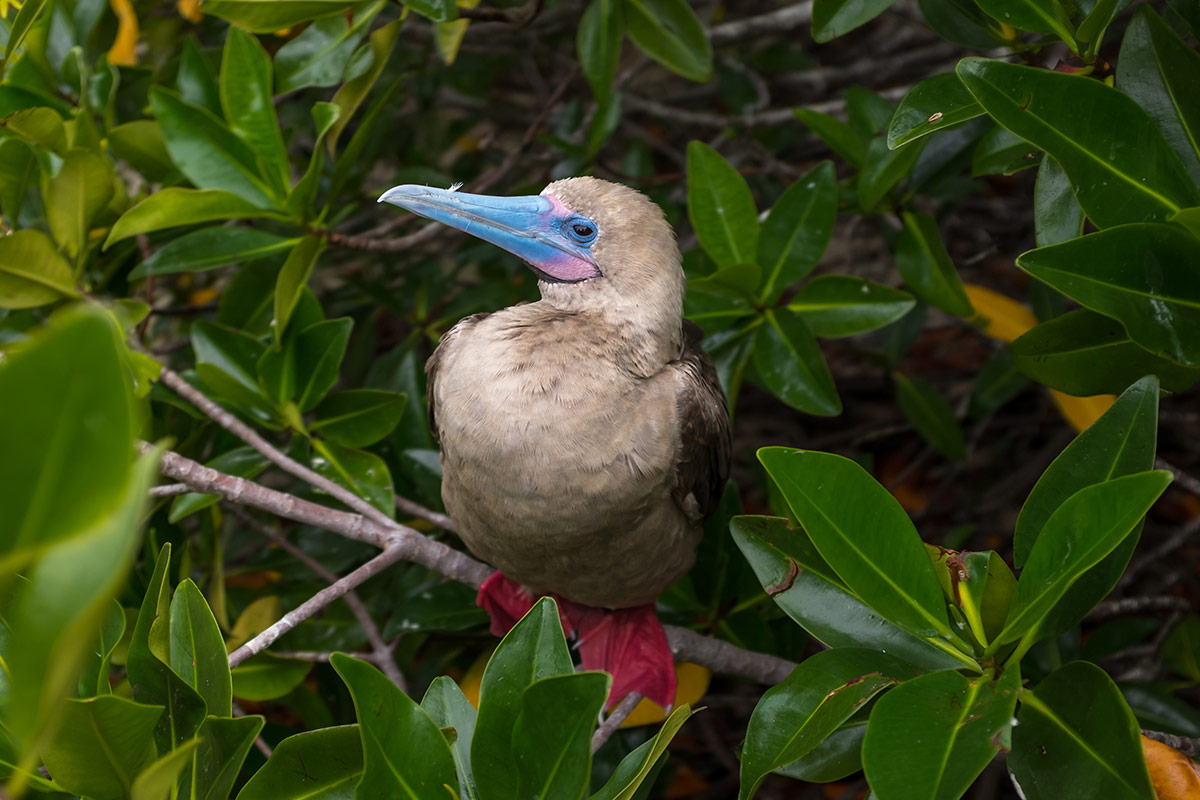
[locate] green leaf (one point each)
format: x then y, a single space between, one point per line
932 105
1029 15
1080 532
832 18
926 266
100 745
449 708
1057 216
171 207
226 361
841 138
73 197
985 587
996 384
553 734
21 24
867 112
961 22
669 32
141 143
932 736
32 273
1078 717
1084 353
797 230
599 44
158 781
18 168
210 248
1001 152
198 649
393 728
534 649
196 81
790 364
218 758
795 576
809 704
305 191
319 55
1124 172
41 126
720 207
838 756
864 534
636 767
351 94
248 104
207 152
267 677
241 462
841 305
93 680
932 416
883 168
1093 26
319 350
293 277
324 764
267 16
1145 275
358 417
363 473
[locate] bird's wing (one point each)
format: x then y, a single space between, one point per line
443 353
702 461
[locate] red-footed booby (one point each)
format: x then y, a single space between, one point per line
584 437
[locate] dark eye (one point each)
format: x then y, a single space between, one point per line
582 230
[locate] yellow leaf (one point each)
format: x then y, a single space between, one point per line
1174 775
256 618
123 52
691 682
190 10
998 316
1081 411
449 35
5 5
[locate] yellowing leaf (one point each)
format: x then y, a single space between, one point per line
257 617
691 682
123 52
1174 775
998 316
190 10
1081 412
449 35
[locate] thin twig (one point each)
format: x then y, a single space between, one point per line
259 743
421 512
1137 605
169 490
777 21
1183 479
614 720
372 244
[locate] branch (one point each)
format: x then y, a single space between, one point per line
614 720
372 244
777 21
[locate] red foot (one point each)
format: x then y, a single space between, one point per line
627 643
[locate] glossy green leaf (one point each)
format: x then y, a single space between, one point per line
293 277
319 55
93 679
1080 532
931 414
171 207
41 126
198 649
1159 70
864 535
319 350
196 80
926 266
21 23
207 152
882 169
301 198
266 16
350 96
669 32
837 756
720 207
1145 275
241 462
32 273
739 282
797 230
218 759
933 104
841 305
534 649
363 473
553 734
1120 173
832 18
985 587
73 197
639 765
18 169
840 137
358 417
226 361
795 576
141 144
1001 152
1078 718
868 112
931 737
790 364
158 781
794 716
394 729
962 22
436 10
1093 26
246 98
210 248
1029 15
1057 216
1084 353
100 745
598 42
448 707
998 382
267 677
323 764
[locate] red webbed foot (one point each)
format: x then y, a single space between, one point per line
627 643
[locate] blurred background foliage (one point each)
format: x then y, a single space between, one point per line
858 190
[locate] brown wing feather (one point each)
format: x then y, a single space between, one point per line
433 366
703 458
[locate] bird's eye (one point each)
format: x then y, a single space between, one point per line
582 231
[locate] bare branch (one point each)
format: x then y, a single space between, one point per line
614 720
777 21
421 512
170 490
373 244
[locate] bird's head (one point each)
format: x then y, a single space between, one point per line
594 245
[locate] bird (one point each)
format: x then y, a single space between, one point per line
584 438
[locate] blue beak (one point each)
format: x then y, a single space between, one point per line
532 227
